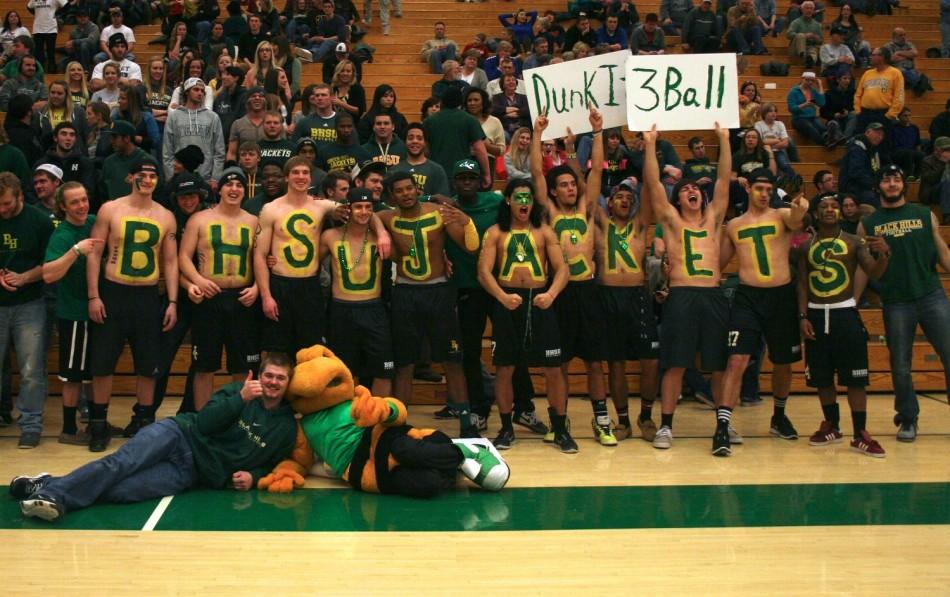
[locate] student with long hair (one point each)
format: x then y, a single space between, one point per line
131 108
58 109
430 106
99 137
518 157
478 104
109 94
277 85
76 84
193 69
11 29
384 102
263 62
285 59
348 94
158 94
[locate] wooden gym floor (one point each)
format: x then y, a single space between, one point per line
777 517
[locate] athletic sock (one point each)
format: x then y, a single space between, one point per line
778 410
69 420
623 416
646 409
465 415
98 412
723 416
832 414
506 421
666 420
600 412
860 419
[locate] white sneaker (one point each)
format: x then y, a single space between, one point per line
304 55
734 437
663 439
483 464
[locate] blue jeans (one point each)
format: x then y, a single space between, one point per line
747 41
440 55
155 463
813 128
932 312
323 49
26 324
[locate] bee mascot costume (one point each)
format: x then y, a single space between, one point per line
346 433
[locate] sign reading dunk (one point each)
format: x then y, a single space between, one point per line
565 89
681 91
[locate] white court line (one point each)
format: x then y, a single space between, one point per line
157 513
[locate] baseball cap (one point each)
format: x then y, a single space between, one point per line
874 126
367 166
51 169
624 185
808 75
192 82
890 170
187 183
144 164
942 143
116 39
357 195
761 175
255 90
123 128
466 166
341 47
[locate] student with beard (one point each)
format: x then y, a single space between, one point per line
912 293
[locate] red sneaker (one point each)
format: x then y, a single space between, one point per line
826 435
865 445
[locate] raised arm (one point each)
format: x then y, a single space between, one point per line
720 199
655 194
794 215
596 173
537 162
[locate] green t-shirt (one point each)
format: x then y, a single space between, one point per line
484 213
395 153
71 298
429 177
450 134
912 270
321 130
333 156
280 150
23 240
11 70
333 436
13 160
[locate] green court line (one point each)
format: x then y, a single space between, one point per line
526 509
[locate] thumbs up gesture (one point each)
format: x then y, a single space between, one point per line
252 388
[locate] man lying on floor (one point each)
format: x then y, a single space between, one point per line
239 436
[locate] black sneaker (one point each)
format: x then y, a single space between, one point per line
721 444
531 421
99 436
24 486
565 443
135 425
504 440
469 432
427 375
446 413
42 506
782 427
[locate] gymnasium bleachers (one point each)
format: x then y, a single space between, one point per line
397 62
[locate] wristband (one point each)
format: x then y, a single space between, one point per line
173 302
76 249
803 316
572 156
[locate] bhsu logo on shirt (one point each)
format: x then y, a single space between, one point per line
10 241
388 365
898 228
554 352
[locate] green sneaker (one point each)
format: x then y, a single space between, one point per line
549 436
483 464
603 434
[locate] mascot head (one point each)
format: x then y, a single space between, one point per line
320 381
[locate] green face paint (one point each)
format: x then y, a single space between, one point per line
522 198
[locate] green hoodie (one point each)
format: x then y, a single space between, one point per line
484 213
231 435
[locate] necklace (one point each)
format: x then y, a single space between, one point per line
573 235
341 250
415 235
521 253
824 250
623 234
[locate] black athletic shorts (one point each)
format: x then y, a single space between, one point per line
421 311
222 321
360 336
695 320
772 312
527 335
581 322
134 315
74 351
301 315
844 349
630 323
